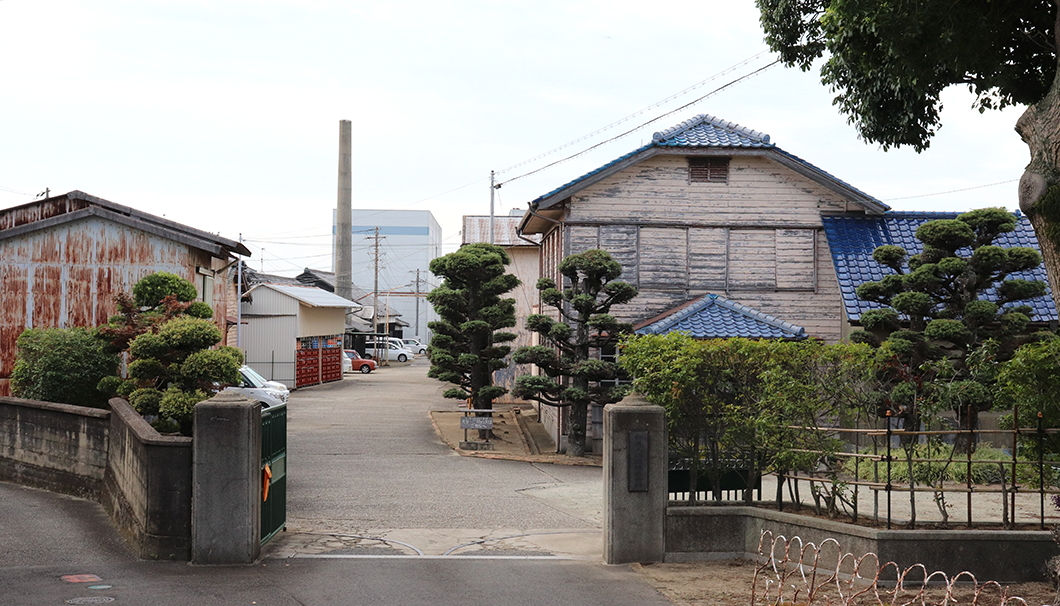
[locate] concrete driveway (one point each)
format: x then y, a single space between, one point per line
364 462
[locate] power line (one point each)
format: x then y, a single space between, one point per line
660 103
15 191
952 191
655 119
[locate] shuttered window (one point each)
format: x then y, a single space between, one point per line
708 170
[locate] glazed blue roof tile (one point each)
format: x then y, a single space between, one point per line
852 239
707 131
704 131
714 317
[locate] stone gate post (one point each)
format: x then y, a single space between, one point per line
635 490
226 481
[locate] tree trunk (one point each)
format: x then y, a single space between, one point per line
576 433
964 443
579 410
1039 193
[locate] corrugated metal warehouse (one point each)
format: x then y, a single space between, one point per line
293 334
62 260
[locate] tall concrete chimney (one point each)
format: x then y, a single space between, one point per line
343 219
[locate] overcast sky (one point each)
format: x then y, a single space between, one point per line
223 115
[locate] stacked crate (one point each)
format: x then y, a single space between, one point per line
318 360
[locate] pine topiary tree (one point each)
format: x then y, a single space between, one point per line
466 347
174 359
940 337
574 377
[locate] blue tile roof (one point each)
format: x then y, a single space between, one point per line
704 131
714 317
853 238
707 131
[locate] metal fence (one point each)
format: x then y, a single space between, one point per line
889 477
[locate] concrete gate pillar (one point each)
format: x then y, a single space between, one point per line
635 490
226 481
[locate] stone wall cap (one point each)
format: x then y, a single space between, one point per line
633 400
228 398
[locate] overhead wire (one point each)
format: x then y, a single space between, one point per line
952 191
15 191
639 112
642 125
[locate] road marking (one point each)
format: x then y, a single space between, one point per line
81 578
327 556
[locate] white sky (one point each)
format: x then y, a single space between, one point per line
223 115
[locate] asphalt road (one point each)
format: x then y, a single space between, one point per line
364 463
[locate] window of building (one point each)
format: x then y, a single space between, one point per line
609 353
204 285
708 170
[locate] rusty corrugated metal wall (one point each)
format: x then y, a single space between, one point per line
67 274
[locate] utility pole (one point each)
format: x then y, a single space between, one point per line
492 187
417 303
239 300
375 289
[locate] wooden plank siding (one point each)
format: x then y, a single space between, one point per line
752 259
663 257
759 193
622 241
796 269
707 258
756 240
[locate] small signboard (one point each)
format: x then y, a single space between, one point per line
476 422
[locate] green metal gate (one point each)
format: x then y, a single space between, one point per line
274 459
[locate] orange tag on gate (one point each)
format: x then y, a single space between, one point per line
266 477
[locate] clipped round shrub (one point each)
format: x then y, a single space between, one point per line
987 259
889 255
151 289
126 388
179 405
146 400
108 386
980 312
148 345
189 334
913 303
864 336
147 369
234 352
946 234
200 309
211 366
885 320
953 331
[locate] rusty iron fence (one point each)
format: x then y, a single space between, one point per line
789 571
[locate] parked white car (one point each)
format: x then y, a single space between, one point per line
395 352
415 346
255 387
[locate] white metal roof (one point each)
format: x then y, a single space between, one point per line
310 295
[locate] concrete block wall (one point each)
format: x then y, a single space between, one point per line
147 486
721 532
142 479
56 447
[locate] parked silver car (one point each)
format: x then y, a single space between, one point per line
255 387
415 346
387 351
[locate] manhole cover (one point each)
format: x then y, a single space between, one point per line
90 600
